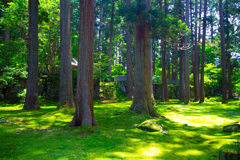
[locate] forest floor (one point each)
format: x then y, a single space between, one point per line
195 132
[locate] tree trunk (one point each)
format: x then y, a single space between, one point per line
196 58
84 115
211 23
100 29
200 16
151 66
229 66
110 40
224 80
164 63
31 101
66 86
181 57
142 102
202 94
129 58
186 61
6 34
164 75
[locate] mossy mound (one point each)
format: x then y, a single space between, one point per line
230 152
150 126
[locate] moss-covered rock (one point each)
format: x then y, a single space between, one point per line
150 126
231 128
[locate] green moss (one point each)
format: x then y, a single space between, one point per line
195 132
233 148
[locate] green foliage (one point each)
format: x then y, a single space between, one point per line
10 76
111 90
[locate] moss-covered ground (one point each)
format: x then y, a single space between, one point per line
195 132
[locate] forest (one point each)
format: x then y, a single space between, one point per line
120 79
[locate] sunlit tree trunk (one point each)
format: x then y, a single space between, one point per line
31 101
66 86
84 115
202 94
142 102
224 79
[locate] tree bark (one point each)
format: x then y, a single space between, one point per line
223 56
164 75
6 33
142 102
129 58
164 63
31 101
229 66
181 57
186 61
202 94
211 23
196 57
100 29
110 39
66 86
84 115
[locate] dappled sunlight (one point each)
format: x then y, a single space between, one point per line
199 121
193 131
190 152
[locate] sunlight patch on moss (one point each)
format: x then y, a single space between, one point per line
191 152
199 121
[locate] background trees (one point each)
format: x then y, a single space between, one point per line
165 20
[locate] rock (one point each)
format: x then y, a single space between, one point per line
231 128
185 125
150 126
117 112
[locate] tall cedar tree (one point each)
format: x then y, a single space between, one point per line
142 102
129 58
66 87
181 56
196 57
229 66
186 60
84 115
31 101
202 94
224 79
111 39
164 64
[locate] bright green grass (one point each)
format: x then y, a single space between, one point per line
44 134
